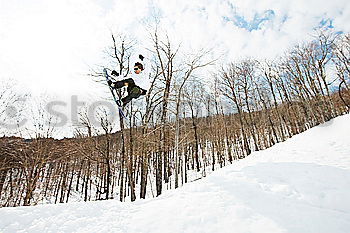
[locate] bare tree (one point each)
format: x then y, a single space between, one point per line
230 88
165 54
341 59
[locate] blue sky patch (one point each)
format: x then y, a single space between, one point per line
253 24
326 23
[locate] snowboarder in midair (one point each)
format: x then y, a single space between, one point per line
138 84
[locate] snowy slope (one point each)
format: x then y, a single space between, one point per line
301 185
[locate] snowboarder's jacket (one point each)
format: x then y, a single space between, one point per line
142 79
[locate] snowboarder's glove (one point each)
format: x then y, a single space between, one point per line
115 73
141 57
143 92
110 83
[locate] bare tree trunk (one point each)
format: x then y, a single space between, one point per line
2 179
70 183
86 183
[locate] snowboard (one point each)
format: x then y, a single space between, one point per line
121 113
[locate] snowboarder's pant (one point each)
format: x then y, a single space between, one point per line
133 90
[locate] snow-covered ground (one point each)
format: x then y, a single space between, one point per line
301 185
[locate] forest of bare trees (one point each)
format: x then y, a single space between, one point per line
185 127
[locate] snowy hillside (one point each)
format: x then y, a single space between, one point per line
301 185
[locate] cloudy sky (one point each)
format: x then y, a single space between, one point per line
47 46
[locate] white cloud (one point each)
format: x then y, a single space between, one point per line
46 44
